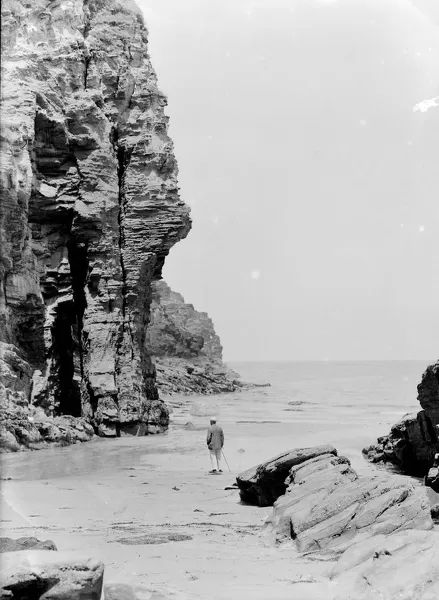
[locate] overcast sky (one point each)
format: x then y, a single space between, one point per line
314 186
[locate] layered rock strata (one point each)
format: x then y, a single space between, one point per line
185 348
322 505
328 506
89 210
375 531
265 483
414 440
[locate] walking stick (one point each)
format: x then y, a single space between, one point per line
224 456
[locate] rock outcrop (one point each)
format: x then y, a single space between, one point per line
263 484
375 532
48 575
30 428
89 210
322 504
327 505
184 347
414 440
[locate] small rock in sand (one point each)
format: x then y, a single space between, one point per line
25 543
63 575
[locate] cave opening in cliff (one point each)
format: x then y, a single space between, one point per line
67 335
65 346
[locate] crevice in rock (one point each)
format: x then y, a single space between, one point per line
65 347
78 260
87 60
123 160
68 348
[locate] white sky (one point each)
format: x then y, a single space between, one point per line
313 183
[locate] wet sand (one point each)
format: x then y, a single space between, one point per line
148 508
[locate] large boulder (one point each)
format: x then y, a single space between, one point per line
262 485
327 505
25 543
47 575
403 566
414 440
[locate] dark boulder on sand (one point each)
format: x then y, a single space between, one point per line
414 440
262 485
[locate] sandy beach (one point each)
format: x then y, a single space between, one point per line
147 507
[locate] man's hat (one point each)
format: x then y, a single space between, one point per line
213 419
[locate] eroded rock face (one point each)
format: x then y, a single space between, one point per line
414 440
89 210
327 506
185 348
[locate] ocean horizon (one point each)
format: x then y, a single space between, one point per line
388 385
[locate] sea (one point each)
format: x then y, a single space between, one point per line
386 386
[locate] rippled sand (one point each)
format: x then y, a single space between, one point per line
148 508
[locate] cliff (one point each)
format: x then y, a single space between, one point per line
89 210
414 440
185 349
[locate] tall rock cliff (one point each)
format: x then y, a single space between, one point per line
89 210
184 347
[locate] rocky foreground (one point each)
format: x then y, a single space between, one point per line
30 569
332 534
378 526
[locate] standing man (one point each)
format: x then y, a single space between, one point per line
215 442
